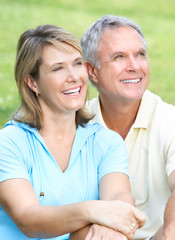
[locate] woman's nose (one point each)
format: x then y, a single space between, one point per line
72 75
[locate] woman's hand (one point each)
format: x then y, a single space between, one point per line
120 216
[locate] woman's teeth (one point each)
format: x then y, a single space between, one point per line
72 91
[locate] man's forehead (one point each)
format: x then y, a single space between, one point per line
119 35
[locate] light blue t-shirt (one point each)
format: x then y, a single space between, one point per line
23 154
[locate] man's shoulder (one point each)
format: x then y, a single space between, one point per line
160 103
164 113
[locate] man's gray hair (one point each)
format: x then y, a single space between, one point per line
91 38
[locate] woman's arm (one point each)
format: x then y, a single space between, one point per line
113 186
19 200
116 186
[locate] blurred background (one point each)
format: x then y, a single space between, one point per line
156 18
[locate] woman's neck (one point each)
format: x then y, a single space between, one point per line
58 126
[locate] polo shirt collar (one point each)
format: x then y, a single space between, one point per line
98 115
145 111
144 114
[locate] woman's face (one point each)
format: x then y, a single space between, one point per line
63 80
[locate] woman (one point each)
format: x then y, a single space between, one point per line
51 159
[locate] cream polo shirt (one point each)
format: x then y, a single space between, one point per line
151 148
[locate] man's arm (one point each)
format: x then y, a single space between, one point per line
167 231
169 219
169 216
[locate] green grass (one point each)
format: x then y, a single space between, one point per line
156 17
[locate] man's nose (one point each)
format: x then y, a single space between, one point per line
132 64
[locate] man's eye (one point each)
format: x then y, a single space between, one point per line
141 54
118 56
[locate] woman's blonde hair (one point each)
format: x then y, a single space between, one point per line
29 52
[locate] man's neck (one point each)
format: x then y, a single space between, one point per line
119 117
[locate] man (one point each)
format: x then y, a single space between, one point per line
115 55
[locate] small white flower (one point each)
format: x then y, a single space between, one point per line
9 97
1 100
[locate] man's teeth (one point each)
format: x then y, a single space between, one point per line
131 81
72 91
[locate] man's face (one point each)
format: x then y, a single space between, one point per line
124 71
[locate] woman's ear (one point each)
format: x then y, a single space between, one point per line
31 83
92 71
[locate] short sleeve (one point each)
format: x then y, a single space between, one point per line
170 156
167 137
114 153
12 154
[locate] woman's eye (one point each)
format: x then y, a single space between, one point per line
57 69
79 63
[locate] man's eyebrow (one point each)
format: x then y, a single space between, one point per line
115 53
142 50
118 52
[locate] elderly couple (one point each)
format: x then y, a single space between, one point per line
104 169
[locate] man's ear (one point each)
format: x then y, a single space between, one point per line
91 71
31 83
